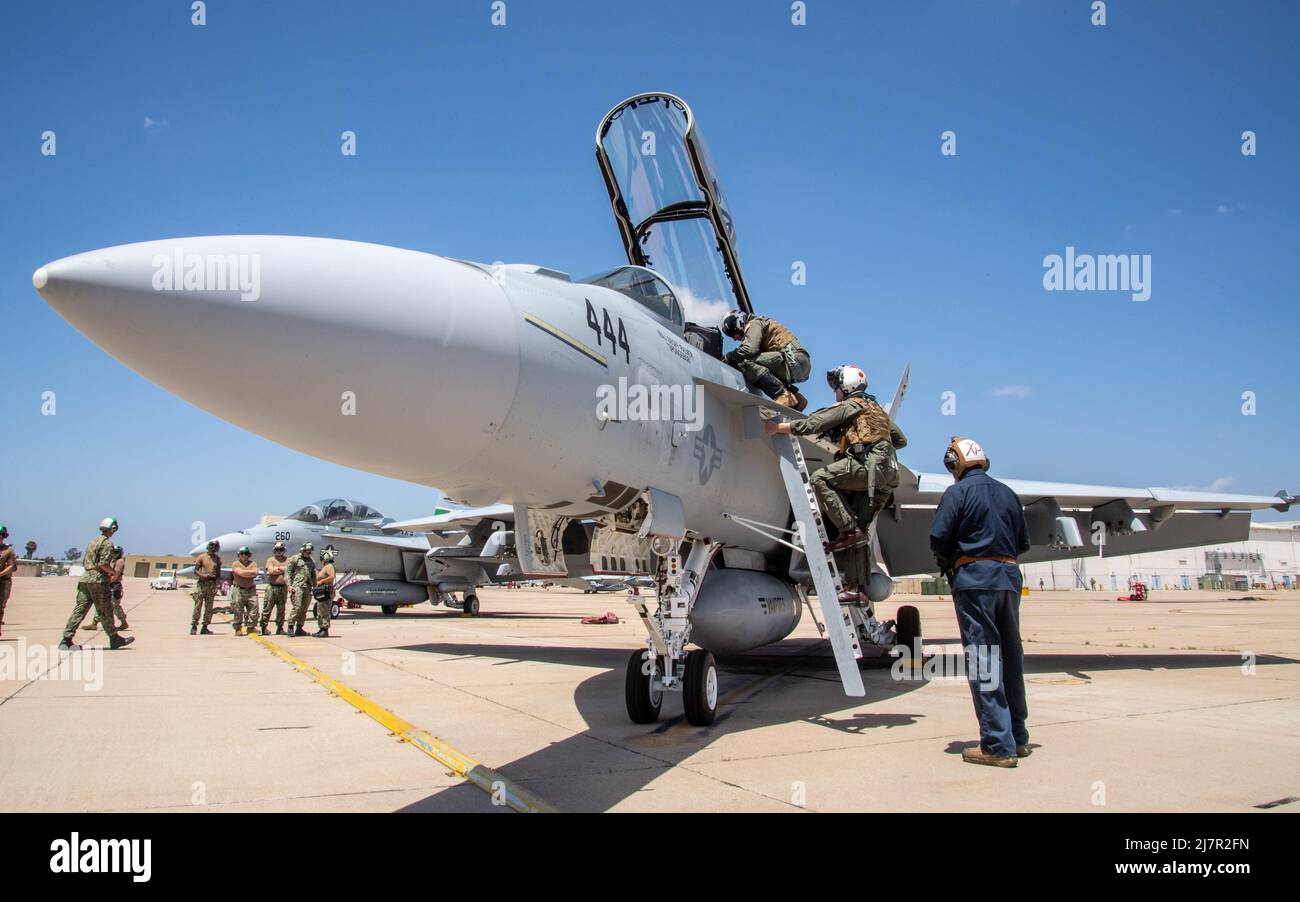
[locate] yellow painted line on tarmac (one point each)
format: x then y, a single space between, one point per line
486 779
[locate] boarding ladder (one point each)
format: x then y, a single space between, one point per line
809 538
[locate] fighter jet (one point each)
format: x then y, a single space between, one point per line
524 358
379 562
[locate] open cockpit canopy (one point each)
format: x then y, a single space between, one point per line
330 510
670 209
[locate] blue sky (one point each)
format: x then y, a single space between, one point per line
476 141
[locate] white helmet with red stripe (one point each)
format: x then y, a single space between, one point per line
962 454
847 378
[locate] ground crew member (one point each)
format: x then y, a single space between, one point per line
8 564
207 570
300 575
115 590
275 589
92 589
769 357
865 464
243 573
324 594
979 530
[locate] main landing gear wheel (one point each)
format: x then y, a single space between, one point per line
470 606
907 628
643 699
700 688
335 610
388 609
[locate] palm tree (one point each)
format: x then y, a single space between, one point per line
31 549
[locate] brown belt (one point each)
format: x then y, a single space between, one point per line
967 559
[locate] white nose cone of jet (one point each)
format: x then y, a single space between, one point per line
389 360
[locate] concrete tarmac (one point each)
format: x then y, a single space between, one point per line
1188 702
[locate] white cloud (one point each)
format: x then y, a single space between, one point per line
1011 391
152 124
1219 485
702 311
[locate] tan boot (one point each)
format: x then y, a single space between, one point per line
800 402
787 399
1023 751
978 756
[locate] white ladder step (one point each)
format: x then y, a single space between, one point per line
826 577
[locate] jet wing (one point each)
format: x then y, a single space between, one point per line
929 488
1066 520
458 519
403 543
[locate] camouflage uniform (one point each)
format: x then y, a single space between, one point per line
92 589
243 593
870 478
8 558
205 588
323 604
769 350
115 595
300 575
273 599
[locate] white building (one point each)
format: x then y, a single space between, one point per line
1269 559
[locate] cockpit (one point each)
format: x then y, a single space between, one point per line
644 286
332 510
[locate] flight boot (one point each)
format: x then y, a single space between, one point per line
850 539
978 756
119 642
206 632
321 634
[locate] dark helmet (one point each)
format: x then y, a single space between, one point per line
733 324
214 545
307 547
4 531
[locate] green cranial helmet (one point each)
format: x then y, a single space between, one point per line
307 547
4 531
244 550
107 523
118 550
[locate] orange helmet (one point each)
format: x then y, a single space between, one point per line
962 454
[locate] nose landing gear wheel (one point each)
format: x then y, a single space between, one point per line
470 606
389 609
908 628
700 688
643 699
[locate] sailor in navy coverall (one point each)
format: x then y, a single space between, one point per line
979 530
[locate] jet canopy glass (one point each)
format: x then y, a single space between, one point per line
330 510
670 209
645 287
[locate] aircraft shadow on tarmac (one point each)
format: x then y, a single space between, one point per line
793 680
